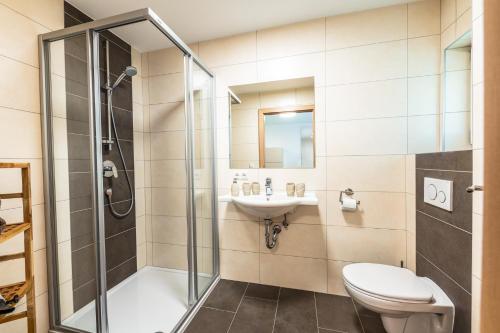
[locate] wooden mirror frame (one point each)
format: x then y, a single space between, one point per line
271 111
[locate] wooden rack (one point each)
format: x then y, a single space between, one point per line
26 287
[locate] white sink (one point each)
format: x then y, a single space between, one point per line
275 205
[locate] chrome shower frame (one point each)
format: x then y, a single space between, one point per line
92 30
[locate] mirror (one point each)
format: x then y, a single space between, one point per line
272 125
457 113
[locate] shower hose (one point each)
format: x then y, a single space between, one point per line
109 192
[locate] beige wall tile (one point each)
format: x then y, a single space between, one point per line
305 65
165 61
239 266
234 75
19 38
366 173
140 229
448 13
237 49
366 245
311 214
166 88
141 256
40 272
463 6
170 256
424 95
368 27
168 173
66 299
376 210
239 235
30 146
423 134
375 137
424 56
229 211
335 278
411 254
293 272
300 240
424 18
49 13
21 75
167 117
169 229
410 174
366 100
65 265
382 61
168 145
171 202
293 39
464 23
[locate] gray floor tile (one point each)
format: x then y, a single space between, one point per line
226 295
262 291
337 313
254 316
210 321
296 312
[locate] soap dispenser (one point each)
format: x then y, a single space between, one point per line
235 188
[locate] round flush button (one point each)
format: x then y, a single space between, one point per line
432 192
441 197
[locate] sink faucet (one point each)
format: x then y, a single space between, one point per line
269 186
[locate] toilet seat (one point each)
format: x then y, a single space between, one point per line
388 283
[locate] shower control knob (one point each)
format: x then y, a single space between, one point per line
109 169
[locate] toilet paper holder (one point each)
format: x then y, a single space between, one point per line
349 192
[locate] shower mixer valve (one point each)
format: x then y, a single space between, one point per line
109 169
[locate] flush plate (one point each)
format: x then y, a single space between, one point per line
439 193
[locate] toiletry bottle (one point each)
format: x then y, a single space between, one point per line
235 188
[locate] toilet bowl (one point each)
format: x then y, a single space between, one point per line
406 303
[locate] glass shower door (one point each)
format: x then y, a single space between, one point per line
204 176
69 149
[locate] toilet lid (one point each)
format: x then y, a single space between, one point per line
387 281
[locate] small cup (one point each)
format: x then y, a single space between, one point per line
300 189
255 188
290 189
246 188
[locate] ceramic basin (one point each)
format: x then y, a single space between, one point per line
275 205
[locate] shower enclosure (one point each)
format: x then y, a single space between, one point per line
129 175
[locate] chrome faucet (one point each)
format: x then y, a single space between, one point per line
269 187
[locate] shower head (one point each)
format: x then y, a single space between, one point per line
129 71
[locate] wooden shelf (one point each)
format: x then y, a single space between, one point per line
13 316
11 230
17 289
24 288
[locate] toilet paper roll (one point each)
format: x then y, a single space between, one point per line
349 204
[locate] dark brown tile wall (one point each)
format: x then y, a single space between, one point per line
444 239
120 234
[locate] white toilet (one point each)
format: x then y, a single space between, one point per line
406 303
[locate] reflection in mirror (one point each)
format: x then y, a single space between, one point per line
457 95
272 124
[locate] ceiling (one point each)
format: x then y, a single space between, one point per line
198 20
